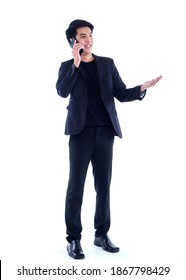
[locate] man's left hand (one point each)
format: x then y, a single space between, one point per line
150 83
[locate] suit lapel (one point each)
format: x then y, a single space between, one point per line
99 68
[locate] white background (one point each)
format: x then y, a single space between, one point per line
145 39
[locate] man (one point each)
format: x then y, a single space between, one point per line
92 83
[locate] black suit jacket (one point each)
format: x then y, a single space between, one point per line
72 80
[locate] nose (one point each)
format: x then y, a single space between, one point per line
88 40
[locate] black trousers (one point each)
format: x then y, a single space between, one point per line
93 145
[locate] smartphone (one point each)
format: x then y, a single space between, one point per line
72 44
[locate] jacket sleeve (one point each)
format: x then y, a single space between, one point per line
66 79
120 90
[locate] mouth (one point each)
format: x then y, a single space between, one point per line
88 46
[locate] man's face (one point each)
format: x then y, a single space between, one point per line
84 36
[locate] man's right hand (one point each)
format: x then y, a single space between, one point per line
75 53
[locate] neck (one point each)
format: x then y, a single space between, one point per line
87 57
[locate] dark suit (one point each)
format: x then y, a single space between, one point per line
72 81
91 144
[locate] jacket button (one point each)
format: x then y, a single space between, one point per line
86 92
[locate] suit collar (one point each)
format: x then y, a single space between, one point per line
99 67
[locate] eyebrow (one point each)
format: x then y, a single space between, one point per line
85 33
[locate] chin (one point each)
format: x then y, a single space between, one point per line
88 51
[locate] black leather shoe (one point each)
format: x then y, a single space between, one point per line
74 250
105 242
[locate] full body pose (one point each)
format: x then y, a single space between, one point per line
92 123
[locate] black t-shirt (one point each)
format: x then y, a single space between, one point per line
97 114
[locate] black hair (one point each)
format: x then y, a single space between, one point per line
71 31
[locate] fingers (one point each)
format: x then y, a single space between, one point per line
151 83
158 79
155 81
76 53
77 47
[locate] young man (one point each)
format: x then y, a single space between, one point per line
92 83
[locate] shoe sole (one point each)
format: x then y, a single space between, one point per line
77 257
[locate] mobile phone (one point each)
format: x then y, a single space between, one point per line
72 42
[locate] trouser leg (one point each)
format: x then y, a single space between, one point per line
102 171
80 152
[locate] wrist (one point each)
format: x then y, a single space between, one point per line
142 88
76 63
